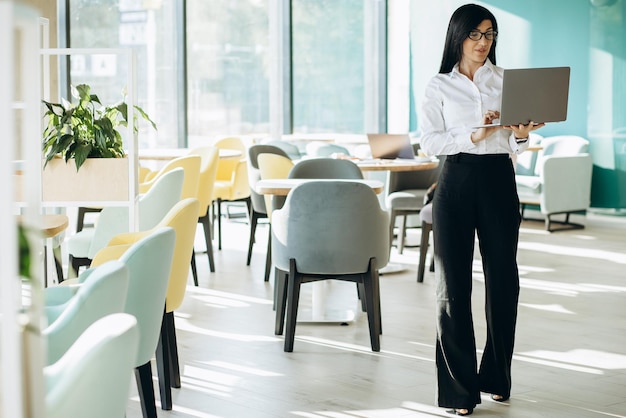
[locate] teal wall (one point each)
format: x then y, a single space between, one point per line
544 33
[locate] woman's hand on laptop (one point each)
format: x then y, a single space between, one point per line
483 132
522 131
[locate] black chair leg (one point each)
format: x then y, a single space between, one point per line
163 368
172 350
208 238
280 300
219 224
56 251
293 298
254 218
194 270
143 376
268 255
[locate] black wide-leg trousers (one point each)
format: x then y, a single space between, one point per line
475 194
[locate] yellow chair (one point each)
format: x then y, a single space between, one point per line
274 166
208 171
191 166
183 218
231 183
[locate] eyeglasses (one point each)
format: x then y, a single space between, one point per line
476 35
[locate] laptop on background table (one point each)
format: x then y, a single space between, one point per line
390 146
539 95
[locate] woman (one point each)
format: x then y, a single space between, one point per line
475 193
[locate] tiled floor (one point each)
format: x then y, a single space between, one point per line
570 358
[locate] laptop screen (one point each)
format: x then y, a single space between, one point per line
390 146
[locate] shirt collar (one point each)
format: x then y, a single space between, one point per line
487 66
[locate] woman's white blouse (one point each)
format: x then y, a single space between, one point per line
453 105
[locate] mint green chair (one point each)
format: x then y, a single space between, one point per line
113 220
149 262
92 379
70 310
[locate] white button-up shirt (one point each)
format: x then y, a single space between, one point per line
453 105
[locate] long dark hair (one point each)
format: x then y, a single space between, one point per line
463 20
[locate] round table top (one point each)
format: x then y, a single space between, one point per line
51 224
398 164
282 187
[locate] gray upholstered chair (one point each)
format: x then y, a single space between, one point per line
561 181
329 230
406 192
325 149
325 168
259 211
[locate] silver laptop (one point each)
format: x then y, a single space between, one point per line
533 94
390 146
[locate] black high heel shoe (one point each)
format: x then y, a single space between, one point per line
499 398
461 411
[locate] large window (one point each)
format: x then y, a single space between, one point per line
328 66
149 27
227 68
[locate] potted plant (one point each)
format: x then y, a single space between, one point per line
86 129
85 136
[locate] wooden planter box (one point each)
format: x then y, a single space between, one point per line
99 179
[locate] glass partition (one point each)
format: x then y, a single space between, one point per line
227 68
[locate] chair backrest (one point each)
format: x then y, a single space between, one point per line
291 149
93 378
414 180
152 207
325 168
226 167
324 149
191 166
330 228
149 263
103 292
208 173
183 218
254 174
274 166
561 145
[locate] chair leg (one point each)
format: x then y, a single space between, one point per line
254 217
208 239
219 224
268 255
426 228
402 235
56 251
143 376
172 350
75 264
280 300
194 270
163 368
392 224
293 298
372 298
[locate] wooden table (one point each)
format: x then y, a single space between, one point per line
165 154
282 187
398 165
51 226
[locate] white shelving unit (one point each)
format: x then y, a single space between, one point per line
21 354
